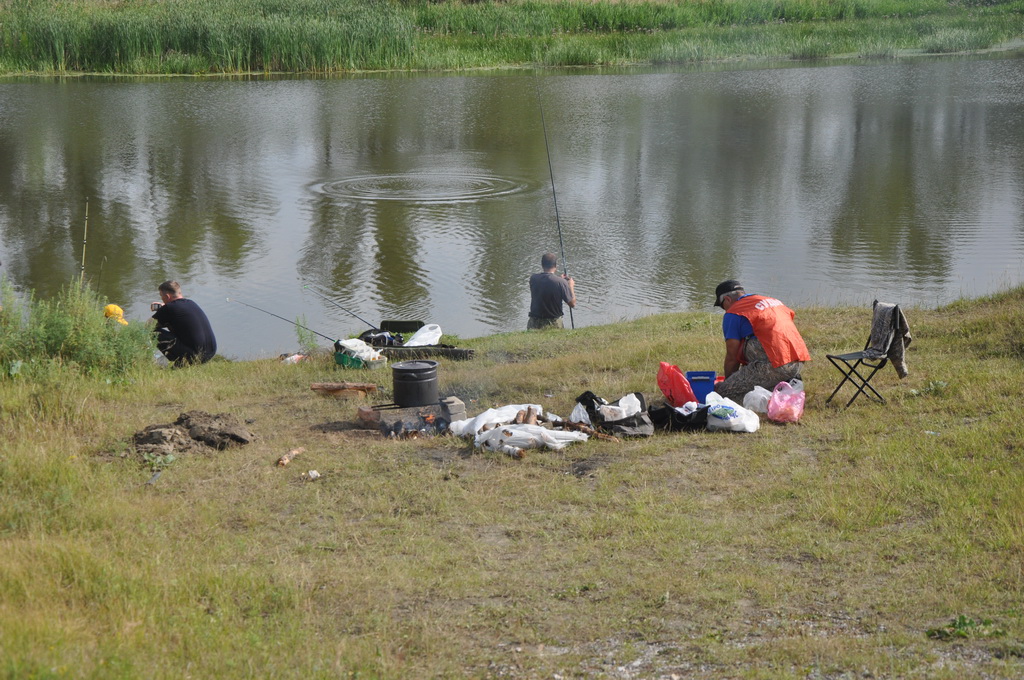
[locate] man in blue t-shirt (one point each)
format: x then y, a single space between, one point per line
183 332
762 345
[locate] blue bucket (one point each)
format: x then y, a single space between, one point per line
702 383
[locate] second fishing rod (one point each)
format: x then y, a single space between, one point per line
349 311
278 316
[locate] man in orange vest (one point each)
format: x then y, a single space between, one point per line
762 345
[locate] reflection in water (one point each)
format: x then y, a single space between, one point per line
429 197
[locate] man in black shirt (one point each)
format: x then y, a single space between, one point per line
183 332
548 291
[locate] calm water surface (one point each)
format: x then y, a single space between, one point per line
429 197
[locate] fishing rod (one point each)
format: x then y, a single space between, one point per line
306 287
554 195
85 234
283 319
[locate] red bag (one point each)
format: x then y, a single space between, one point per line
674 385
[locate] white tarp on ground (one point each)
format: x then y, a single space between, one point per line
526 437
492 416
502 432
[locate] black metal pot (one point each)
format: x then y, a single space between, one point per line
415 383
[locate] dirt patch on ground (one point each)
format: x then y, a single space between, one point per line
343 426
587 467
192 431
444 456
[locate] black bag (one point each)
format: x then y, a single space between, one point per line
636 425
665 417
379 338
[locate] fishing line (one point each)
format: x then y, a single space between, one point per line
283 319
99 280
554 195
306 287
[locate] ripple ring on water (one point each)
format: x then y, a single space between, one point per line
421 188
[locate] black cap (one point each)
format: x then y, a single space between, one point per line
726 287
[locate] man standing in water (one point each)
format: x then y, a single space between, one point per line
762 345
548 291
183 332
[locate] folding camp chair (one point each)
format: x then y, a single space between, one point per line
888 326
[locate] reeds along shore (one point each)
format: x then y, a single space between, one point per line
319 36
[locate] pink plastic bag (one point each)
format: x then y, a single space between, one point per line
787 402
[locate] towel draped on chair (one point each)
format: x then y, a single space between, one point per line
890 336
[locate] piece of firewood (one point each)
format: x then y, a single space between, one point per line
287 458
361 394
585 429
344 389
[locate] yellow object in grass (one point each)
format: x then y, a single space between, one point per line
114 312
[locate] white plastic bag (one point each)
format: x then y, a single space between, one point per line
427 335
725 414
688 408
625 407
579 415
757 400
630 405
359 349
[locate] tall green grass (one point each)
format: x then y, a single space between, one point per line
536 17
39 338
198 36
814 40
236 35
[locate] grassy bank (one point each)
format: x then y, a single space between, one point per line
879 541
320 36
